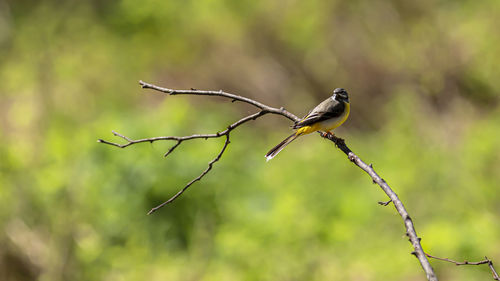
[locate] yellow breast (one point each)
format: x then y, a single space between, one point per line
326 125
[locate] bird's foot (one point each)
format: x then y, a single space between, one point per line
327 134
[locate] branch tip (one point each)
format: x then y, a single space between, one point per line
172 148
382 203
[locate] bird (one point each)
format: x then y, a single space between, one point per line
326 116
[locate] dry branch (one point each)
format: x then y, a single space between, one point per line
485 261
410 229
210 164
263 110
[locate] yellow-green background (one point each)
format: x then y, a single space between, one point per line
423 78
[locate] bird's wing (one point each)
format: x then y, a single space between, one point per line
324 111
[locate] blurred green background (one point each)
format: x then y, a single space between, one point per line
423 78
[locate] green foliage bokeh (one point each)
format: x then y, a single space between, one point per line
423 80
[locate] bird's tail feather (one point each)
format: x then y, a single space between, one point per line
275 150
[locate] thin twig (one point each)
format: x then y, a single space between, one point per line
485 261
172 149
179 140
382 203
220 93
210 164
184 138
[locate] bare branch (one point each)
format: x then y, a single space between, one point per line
410 229
220 93
179 140
131 141
210 164
485 261
340 143
184 138
264 109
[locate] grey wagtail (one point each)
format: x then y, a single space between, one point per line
326 116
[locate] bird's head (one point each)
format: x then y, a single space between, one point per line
340 94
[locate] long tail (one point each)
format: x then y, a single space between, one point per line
275 150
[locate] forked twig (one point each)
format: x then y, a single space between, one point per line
179 140
264 109
210 164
